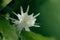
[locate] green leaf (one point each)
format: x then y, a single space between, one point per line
33 36
7 30
50 17
4 3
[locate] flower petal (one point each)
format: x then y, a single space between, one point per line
14 13
21 10
37 15
27 9
19 29
19 16
27 29
36 26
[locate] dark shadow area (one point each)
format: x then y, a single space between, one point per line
0 4
1 36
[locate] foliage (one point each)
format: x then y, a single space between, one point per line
48 20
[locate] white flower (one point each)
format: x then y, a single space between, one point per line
24 20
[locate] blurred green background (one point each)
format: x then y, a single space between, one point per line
49 18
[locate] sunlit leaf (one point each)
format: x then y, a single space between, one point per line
4 3
34 36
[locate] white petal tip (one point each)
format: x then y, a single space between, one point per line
21 10
27 29
37 15
14 13
36 25
27 9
